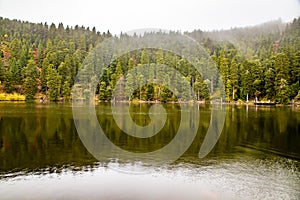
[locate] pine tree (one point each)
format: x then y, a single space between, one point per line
294 74
198 87
23 57
41 55
53 83
224 71
247 80
234 78
43 75
102 91
2 72
269 83
65 72
281 66
145 57
257 75
139 81
15 47
282 95
15 71
118 73
130 85
30 83
66 90
130 64
159 57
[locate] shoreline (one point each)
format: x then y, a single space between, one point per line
40 98
250 103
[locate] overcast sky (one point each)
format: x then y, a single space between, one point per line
126 15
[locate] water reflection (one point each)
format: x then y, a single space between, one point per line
37 136
242 178
257 156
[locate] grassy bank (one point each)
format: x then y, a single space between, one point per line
12 97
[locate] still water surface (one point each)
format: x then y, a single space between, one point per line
42 157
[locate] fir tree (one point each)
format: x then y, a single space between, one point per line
30 83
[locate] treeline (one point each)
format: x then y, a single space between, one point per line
260 62
42 59
125 78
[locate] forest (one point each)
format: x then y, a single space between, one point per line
40 61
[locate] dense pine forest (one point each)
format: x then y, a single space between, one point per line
40 61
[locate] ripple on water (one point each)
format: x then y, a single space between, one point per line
239 178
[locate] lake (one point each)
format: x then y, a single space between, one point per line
257 155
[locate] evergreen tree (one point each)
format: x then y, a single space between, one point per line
224 71
282 95
234 78
118 73
258 79
15 71
23 57
159 57
102 91
247 80
2 72
269 83
66 90
145 57
139 82
15 47
40 53
30 83
53 83
281 66
43 75
200 88
64 73
130 85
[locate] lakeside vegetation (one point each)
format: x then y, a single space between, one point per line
41 61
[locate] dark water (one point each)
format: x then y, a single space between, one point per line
42 156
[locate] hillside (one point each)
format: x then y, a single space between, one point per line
40 60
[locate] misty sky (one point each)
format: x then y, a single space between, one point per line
126 15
